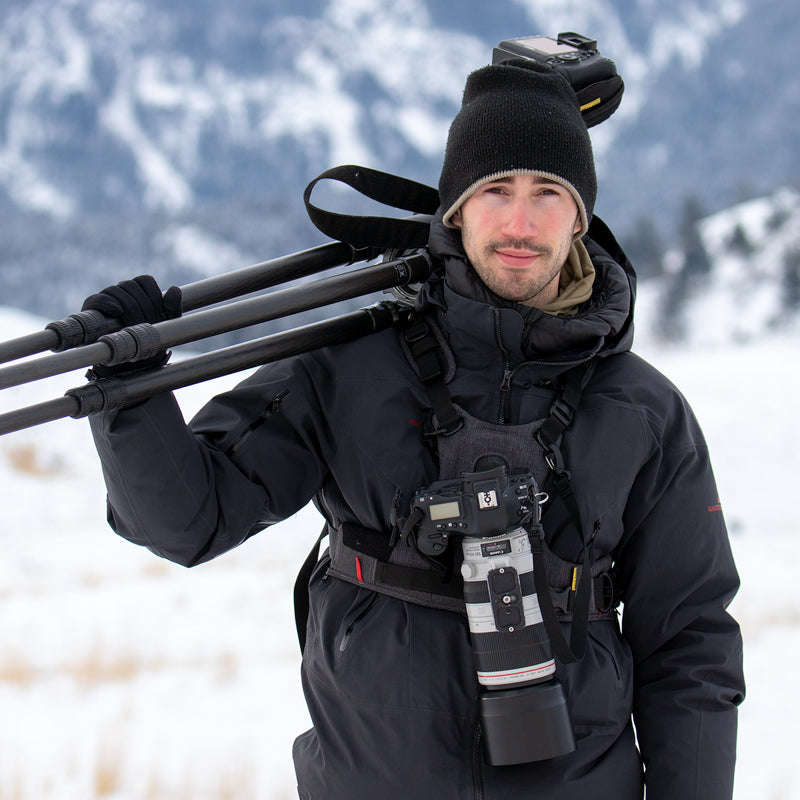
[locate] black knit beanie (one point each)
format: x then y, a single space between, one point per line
518 118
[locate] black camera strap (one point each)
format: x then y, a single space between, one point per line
302 601
549 437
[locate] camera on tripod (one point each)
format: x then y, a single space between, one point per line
495 513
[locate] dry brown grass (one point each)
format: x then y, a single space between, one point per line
16 670
157 568
97 667
107 780
108 775
92 669
27 459
13 791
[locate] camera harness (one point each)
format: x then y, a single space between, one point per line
465 443
567 591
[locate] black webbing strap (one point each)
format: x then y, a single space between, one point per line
302 604
563 408
574 651
549 436
379 232
376 544
425 348
420 580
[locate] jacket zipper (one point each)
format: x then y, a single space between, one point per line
361 614
505 384
508 372
273 407
477 773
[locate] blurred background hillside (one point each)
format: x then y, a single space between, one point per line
176 139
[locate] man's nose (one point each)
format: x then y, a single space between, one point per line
520 221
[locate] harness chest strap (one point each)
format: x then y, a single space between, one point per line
358 556
351 561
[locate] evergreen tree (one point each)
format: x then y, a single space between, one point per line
645 248
696 264
696 260
791 280
740 243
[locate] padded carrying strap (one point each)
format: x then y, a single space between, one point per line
600 100
380 232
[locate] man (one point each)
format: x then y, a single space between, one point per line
522 301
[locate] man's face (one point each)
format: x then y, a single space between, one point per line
517 233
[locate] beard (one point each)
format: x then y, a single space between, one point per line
531 286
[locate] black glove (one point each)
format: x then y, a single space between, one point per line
133 302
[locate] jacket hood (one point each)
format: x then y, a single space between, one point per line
602 326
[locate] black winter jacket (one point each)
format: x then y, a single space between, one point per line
391 685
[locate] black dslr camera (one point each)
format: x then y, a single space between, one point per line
479 504
495 513
594 78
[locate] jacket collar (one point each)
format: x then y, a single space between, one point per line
475 316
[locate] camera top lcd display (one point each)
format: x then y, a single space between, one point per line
445 510
545 45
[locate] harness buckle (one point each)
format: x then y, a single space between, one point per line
562 411
456 424
416 331
561 599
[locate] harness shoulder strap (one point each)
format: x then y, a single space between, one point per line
427 352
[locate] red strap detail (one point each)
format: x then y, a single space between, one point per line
358 570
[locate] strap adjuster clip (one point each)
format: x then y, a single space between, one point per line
606 592
562 411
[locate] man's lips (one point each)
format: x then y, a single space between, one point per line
517 258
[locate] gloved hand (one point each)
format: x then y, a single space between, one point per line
133 302
136 301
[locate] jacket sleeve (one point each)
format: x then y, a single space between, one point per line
252 457
678 576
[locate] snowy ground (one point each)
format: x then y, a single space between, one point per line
124 677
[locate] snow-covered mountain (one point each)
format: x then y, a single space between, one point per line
739 279
127 126
131 103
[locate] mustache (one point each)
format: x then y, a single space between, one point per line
518 244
